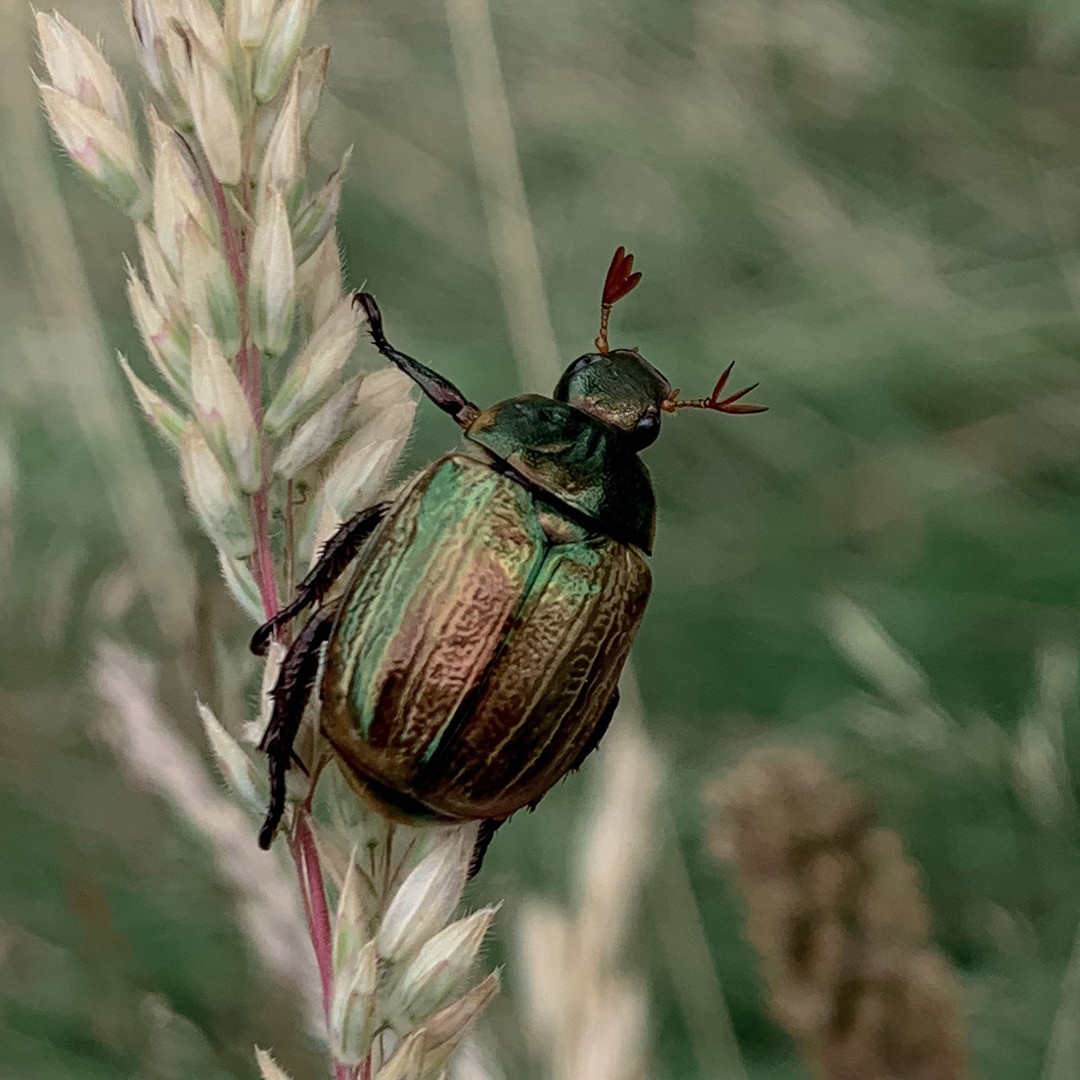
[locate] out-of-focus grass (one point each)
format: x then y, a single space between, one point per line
873 208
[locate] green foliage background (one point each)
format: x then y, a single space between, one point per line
874 208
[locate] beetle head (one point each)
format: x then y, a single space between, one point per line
620 387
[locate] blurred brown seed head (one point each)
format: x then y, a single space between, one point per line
834 911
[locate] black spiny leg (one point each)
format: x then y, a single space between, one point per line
290 694
488 829
337 553
440 390
601 729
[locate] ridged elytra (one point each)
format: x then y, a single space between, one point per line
472 657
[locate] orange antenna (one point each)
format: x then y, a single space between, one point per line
714 401
617 284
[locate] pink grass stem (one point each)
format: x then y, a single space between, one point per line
249 372
234 257
309 872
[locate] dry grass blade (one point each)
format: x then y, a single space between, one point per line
1063 1053
502 189
587 1012
146 742
76 345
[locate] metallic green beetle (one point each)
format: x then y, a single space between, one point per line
473 657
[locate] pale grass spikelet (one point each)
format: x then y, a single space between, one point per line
282 160
252 20
160 278
311 73
351 929
406 1063
177 43
396 965
315 220
427 897
178 192
235 273
319 285
318 433
422 1055
382 390
363 463
313 374
234 763
439 968
213 111
835 913
223 412
201 19
166 420
353 1015
165 344
78 69
213 497
269 1069
275 656
241 583
207 286
281 46
146 20
272 273
105 152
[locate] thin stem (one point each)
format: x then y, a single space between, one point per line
263 562
290 540
309 874
235 259
249 372
390 829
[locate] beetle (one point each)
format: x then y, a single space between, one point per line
473 656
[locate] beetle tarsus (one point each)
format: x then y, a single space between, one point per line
439 389
337 553
290 695
487 831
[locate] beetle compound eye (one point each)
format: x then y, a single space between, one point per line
646 430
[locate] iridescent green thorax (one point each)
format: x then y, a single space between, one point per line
578 460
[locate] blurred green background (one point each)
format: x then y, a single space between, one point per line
874 208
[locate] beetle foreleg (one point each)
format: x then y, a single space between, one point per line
337 553
291 693
440 390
